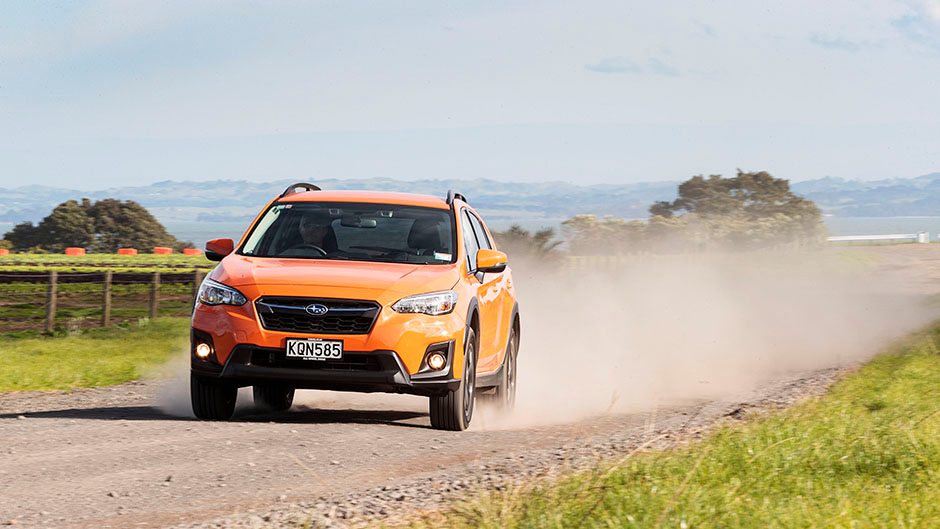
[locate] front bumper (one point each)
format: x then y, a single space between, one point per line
227 327
360 371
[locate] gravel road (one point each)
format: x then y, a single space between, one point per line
109 457
130 455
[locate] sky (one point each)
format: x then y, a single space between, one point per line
99 94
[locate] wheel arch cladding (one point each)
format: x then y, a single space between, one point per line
473 316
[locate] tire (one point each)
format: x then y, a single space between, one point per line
212 401
273 397
453 410
506 390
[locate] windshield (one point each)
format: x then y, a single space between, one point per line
360 232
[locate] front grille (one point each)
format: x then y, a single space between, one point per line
349 362
343 316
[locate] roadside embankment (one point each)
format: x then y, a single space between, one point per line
867 454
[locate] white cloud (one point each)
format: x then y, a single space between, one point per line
615 65
93 26
625 65
932 9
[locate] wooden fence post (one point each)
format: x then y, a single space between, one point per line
197 280
51 295
106 300
154 295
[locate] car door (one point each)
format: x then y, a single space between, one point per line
505 301
472 276
488 294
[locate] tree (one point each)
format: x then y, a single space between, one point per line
751 210
103 226
23 236
755 195
127 224
67 225
519 242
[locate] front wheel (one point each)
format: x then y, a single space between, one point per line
453 410
211 400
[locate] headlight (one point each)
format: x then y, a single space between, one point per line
435 303
215 293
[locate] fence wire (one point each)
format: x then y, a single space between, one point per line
80 299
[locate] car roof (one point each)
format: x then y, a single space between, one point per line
369 197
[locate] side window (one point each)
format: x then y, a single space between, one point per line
482 239
469 241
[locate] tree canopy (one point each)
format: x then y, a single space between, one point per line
749 210
102 226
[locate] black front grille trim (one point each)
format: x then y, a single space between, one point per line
345 316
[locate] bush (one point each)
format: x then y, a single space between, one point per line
103 226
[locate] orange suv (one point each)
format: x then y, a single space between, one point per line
357 291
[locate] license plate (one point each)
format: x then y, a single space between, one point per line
315 349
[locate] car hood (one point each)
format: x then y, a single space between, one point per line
238 270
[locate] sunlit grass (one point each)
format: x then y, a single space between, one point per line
867 454
42 263
97 357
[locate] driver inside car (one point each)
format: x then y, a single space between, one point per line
314 230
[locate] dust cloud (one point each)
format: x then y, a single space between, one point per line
173 397
657 330
664 329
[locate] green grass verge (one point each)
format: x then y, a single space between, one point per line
867 454
97 357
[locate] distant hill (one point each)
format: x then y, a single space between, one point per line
895 197
232 201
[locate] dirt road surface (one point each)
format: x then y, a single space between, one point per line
110 458
128 456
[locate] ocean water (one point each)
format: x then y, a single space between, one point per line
200 232
883 225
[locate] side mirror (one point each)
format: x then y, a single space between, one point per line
216 249
493 261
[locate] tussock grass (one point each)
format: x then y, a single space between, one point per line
97 357
867 454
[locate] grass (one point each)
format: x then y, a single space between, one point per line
867 454
97 262
97 357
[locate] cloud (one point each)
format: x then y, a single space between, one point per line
91 27
615 65
835 43
658 67
706 30
922 25
932 9
625 65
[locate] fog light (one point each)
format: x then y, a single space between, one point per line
203 351
436 361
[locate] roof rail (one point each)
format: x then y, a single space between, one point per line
451 196
293 188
